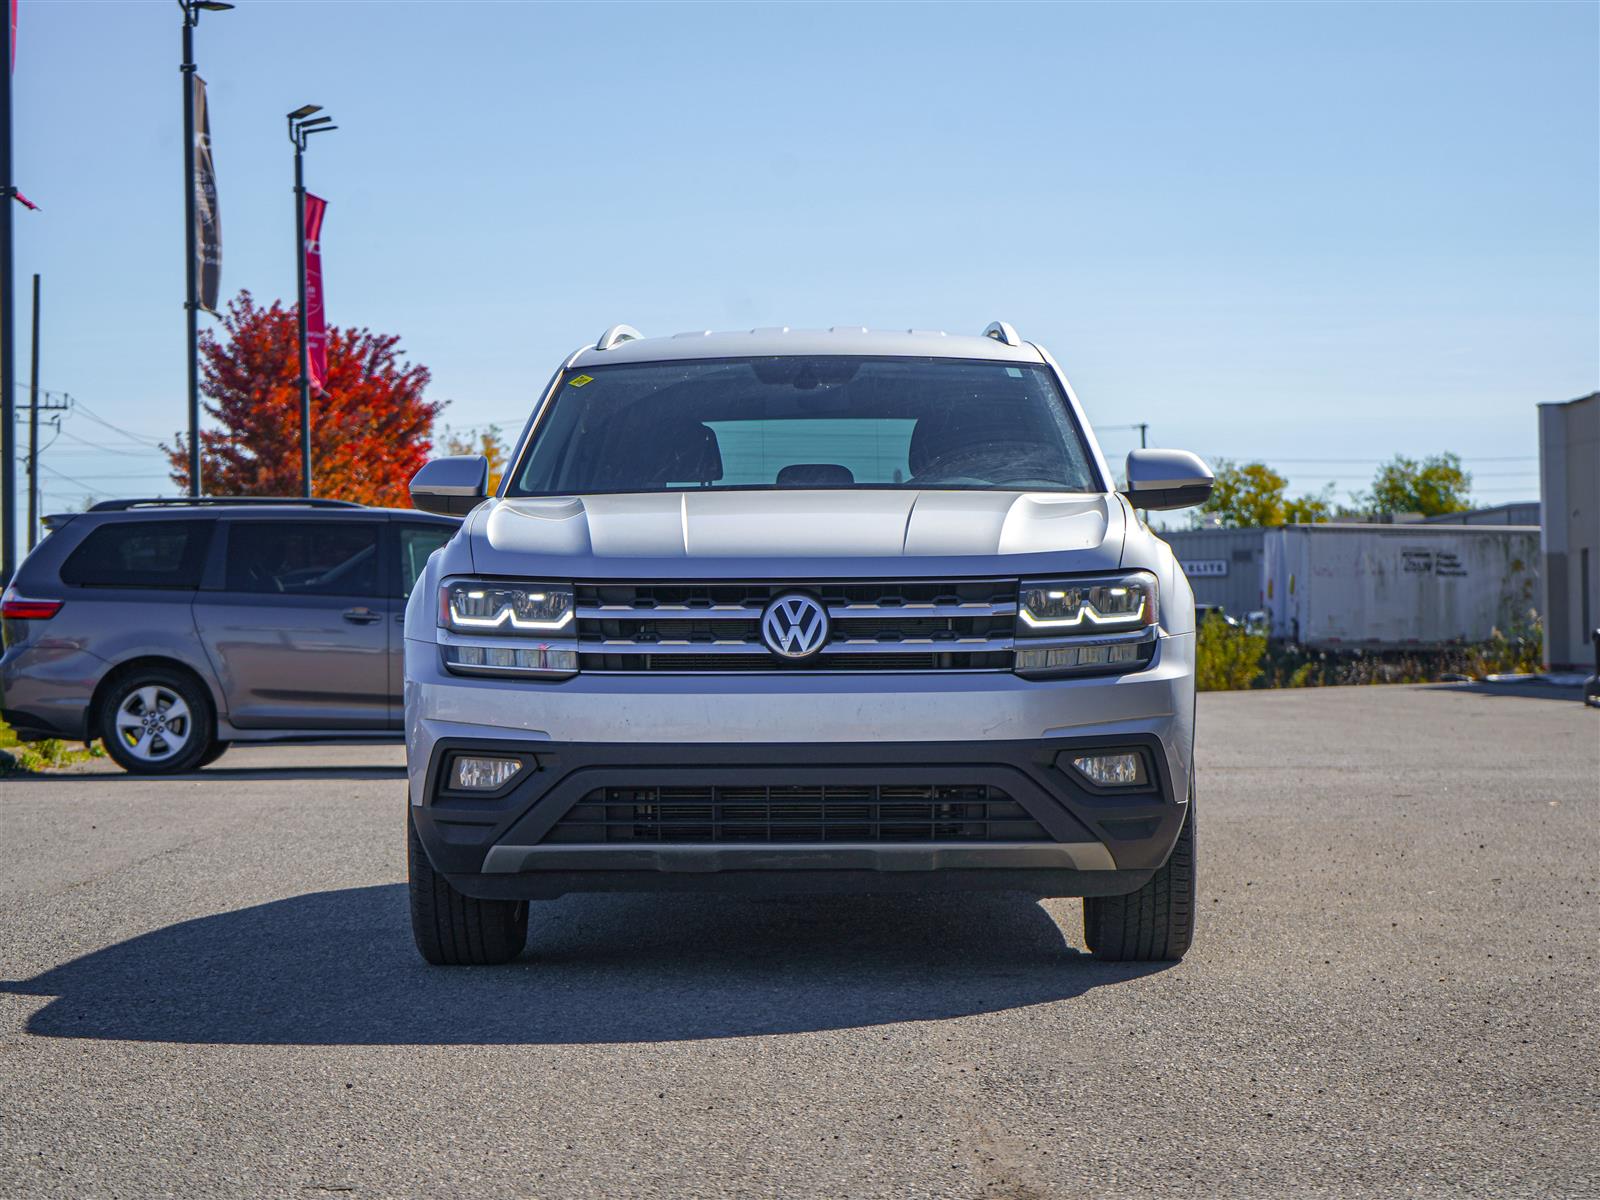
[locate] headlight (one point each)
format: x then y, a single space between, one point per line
491 627
1086 626
1088 605
482 606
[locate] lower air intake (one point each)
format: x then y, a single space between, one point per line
823 813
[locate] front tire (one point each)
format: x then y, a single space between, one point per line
1156 923
156 721
452 929
215 751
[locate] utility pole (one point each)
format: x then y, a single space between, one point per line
8 364
33 425
35 408
301 126
1144 427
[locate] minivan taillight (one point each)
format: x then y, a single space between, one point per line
19 608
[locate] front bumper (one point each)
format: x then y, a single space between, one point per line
598 731
517 843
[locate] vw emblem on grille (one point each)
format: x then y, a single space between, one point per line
794 625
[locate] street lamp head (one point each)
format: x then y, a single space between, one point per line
314 122
305 110
212 5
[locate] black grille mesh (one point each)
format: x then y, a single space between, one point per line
820 813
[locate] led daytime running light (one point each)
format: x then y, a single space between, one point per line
1090 604
473 607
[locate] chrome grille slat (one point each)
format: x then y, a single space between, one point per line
736 612
715 625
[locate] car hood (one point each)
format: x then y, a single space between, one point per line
791 533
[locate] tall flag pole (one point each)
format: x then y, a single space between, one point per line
202 229
310 322
8 359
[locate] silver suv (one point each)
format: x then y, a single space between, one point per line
803 611
171 628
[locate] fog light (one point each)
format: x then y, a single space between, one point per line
1125 768
474 773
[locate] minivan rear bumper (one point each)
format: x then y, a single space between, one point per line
45 690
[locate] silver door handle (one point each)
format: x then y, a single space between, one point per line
361 616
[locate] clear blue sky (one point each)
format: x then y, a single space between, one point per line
1287 232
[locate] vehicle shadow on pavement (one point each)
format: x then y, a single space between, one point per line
338 968
1529 690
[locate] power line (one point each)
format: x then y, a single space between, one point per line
154 443
1383 461
63 475
119 450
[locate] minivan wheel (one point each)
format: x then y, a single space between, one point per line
216 750
1156 923
452 929
156 721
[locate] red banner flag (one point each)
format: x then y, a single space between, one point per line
316 319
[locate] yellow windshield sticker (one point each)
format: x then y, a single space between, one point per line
580 381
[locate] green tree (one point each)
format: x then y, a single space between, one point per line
1227 658
1436 485
1248 495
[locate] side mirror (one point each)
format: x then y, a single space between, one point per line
451 487
1167 479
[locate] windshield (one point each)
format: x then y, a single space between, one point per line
761 423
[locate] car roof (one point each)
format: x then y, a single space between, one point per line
783 341
213 507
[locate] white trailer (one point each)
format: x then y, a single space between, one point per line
1400 587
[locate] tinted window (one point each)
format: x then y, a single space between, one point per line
416 543
311 558
834 421
153 554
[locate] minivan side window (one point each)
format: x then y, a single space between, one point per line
417 542
303 558
140 554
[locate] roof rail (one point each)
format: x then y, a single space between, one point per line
184 501
616 335
1002 332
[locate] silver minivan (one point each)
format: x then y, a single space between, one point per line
169 629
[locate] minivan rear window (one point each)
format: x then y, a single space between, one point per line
140 554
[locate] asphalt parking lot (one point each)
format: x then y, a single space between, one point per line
207 986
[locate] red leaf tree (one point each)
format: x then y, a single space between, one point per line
371 429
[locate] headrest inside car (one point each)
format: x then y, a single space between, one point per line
689 454
815 475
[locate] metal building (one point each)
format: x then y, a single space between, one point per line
1223 565
1518 512
1569 490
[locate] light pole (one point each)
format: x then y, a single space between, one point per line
301 126
191 18
8 372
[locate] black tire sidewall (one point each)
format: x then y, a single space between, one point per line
200 741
